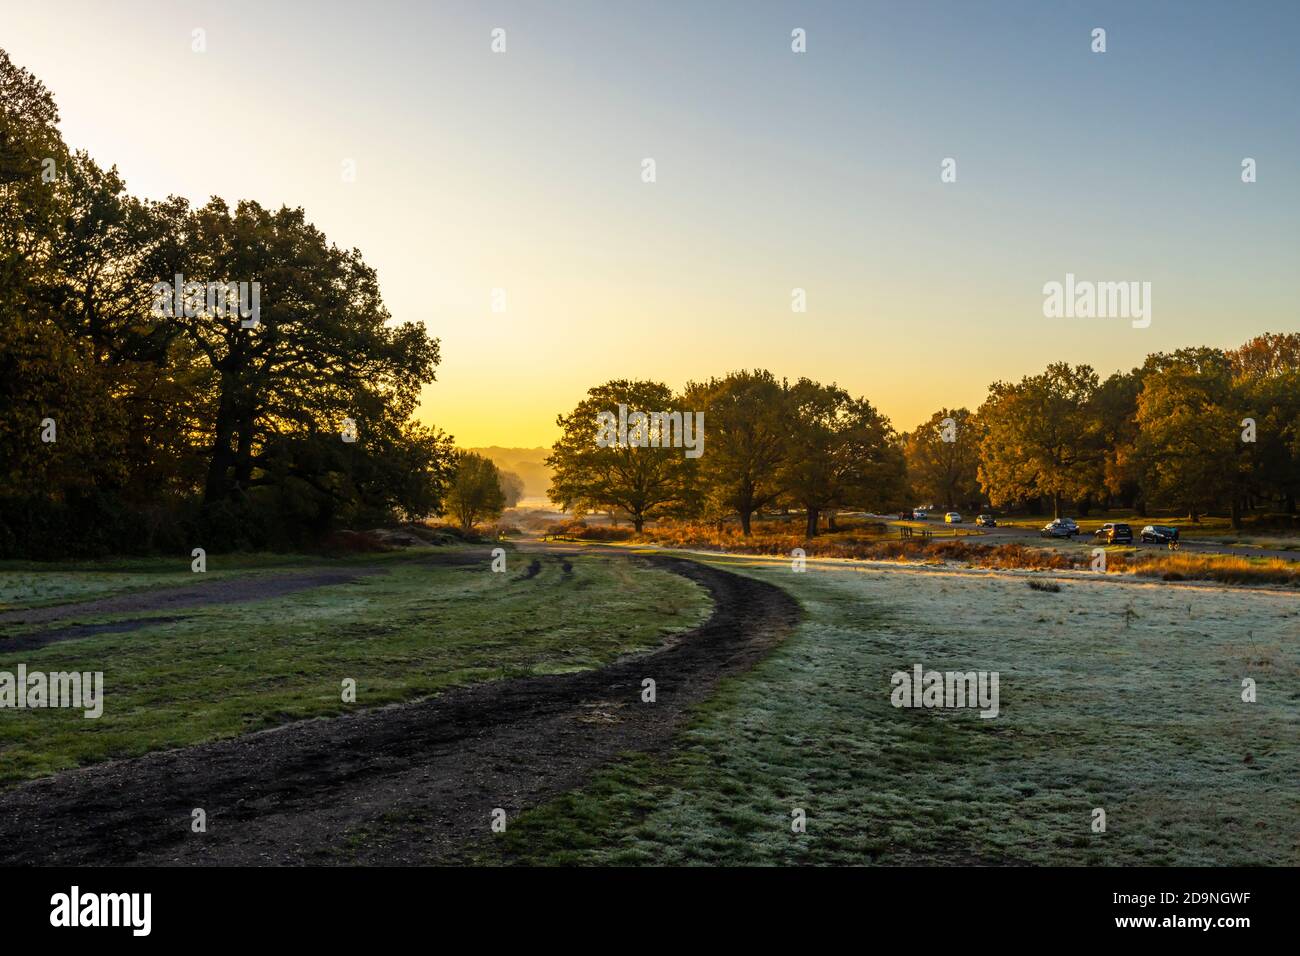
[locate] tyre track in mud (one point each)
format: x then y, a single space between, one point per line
411 783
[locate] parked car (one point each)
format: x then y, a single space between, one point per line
1159 534
1059 528
920 515
952 517
986 521
1114 533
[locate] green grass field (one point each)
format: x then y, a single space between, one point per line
24 584
1114 694
416 629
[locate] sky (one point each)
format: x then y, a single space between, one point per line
523 171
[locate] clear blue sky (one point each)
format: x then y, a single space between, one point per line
775 170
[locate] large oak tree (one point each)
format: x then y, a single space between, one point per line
155 413
749 423
842 453
643 482
943 458
1041 438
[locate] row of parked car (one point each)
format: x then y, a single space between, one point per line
950 517
1112 532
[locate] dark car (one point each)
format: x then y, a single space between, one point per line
1159 534
986 521
1114 533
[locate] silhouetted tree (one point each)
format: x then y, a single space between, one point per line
475 492
643 482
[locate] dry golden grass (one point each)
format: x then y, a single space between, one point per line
1230 569
871 542
867 542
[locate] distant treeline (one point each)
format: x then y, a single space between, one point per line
1197 430
128 425
526 463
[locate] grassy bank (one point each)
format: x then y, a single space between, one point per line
1114 694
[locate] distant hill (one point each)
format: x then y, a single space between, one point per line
527 463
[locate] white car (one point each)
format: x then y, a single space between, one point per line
952 518
920 515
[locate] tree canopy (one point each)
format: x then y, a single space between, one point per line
128 426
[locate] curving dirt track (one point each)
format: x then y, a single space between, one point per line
409 784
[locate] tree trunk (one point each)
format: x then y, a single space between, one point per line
1056 506
812 523
744 522
217 485
638 523
1236 514
830 523
244 452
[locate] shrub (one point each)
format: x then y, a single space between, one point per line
351 542
579 529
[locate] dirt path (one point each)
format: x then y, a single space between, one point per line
174 597
414 783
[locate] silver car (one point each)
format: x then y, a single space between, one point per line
1059 528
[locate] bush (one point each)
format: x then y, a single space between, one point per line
88 524
449 533
579 529
351 542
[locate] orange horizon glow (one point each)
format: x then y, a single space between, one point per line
522 172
